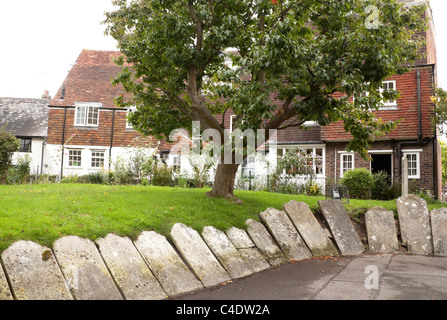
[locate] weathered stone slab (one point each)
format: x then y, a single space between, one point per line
198 256
381 230
285 234
5 292
345 236
310 230
439 231
167 266
34 272
129 270
414 224
265 242
84 269
247 249
225 252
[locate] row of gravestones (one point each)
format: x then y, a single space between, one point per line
151 267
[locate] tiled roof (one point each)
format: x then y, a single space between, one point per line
89 80
24 117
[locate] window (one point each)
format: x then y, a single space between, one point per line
129 111
97 159
25 145
87 114
413 165
74 158
316 153
346 163
388 86
176 163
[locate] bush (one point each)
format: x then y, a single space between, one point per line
359 183
382 189
162 176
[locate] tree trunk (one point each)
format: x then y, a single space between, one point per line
223 186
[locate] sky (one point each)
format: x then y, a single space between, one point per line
41 40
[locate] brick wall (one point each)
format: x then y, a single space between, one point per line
429 168
407 109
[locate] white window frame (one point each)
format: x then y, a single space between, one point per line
417 154
314 148
130 110
92 157
82 114
70 162
390 105
342 162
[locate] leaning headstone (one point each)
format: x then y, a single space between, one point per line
167 266
310 230
225 252
341 226
381 230
34 272
439 231
265 242
285 234
84 269
129 269
414 221
5 293
198 256
242 242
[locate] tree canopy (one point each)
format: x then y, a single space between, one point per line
274 63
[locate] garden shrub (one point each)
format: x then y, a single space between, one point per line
359 182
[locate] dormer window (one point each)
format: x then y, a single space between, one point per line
87 114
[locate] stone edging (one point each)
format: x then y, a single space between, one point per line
153 268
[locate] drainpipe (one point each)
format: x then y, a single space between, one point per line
111 139
419 141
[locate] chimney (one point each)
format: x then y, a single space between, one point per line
46 95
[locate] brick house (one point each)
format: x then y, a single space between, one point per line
87 132
415 137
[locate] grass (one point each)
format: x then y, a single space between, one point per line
44 213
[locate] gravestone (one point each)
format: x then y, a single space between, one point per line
439 231
34 273
167 266
414 221
247 249
381 230
285 234
5 293
347 239
310 230
225 252
84 269
198 256
129 269
265 242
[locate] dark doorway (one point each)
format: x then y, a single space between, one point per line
382 162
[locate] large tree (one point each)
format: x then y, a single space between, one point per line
292 61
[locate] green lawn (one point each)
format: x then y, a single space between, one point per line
44 213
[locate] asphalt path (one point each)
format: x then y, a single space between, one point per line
366 277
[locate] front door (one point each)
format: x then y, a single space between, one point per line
382 162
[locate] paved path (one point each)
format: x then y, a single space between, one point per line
381 277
